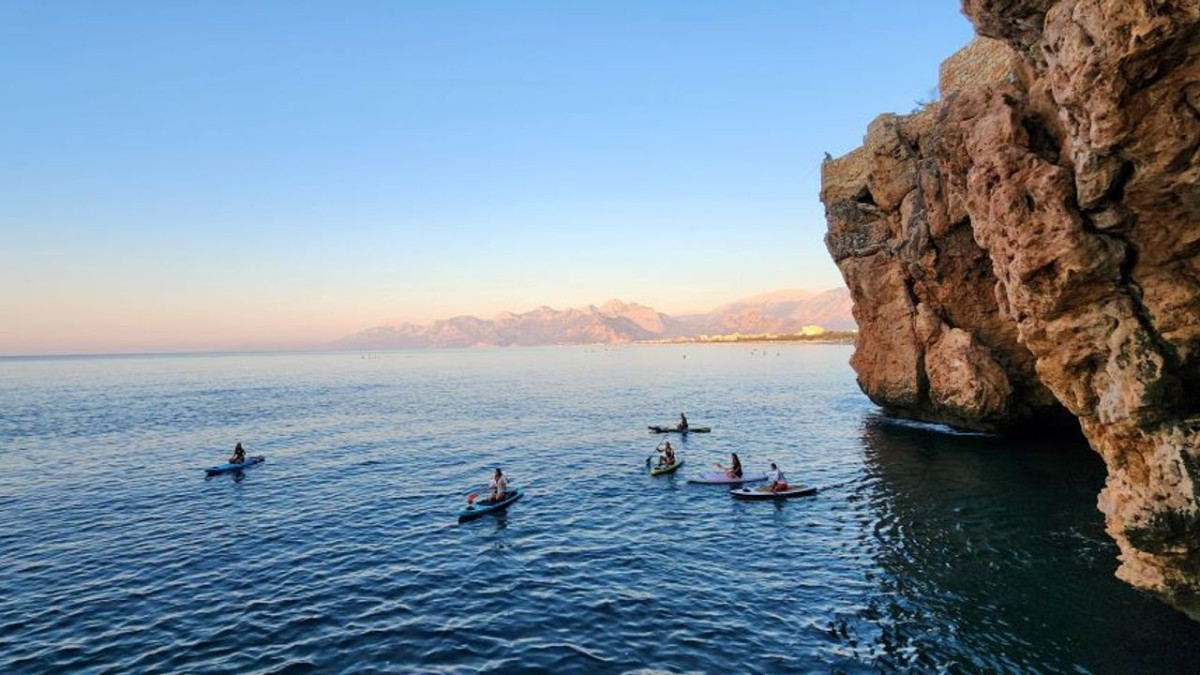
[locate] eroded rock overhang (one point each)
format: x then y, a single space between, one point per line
1027 250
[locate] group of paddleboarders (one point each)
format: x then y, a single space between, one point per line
666 457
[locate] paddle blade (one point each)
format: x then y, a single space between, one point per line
471 497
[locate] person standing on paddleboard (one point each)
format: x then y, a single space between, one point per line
499 485
239 455
778 480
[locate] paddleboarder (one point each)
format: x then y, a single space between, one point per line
239 455
778 480
734 470
499 485
667 454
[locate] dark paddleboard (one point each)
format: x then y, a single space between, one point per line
675 430
752 494
479 508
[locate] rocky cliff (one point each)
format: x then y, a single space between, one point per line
1028 249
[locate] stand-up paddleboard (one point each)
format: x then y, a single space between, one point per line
670 468
480 507
226 468
752 494
677 430
719 478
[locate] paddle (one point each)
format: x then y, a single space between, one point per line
471 498
657 449
475 495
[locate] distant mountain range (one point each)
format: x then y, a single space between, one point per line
779 312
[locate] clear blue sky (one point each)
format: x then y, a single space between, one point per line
178 175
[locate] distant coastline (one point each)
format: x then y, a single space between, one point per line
834 337
831 337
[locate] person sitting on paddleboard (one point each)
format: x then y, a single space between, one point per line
734 470
499 485
668 454
778 480
239 455
683 425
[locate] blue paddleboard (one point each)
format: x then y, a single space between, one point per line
480 507
226 468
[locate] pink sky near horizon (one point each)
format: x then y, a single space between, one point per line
79 326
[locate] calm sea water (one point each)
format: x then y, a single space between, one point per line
342 552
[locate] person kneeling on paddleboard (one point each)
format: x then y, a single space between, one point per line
499 485
683 424
778 480
734 470
668 454
239 455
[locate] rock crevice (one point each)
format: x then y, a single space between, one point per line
1027 250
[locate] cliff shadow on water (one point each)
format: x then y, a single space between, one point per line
992 556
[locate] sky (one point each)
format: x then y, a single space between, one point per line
225 175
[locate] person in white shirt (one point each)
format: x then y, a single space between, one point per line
499 485
778 480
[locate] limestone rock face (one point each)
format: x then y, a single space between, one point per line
925 295
1031 244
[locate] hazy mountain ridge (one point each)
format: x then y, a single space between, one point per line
617 322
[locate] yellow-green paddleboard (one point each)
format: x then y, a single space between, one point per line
660 470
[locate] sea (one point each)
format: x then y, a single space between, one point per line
924 550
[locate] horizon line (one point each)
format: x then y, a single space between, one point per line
333 347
